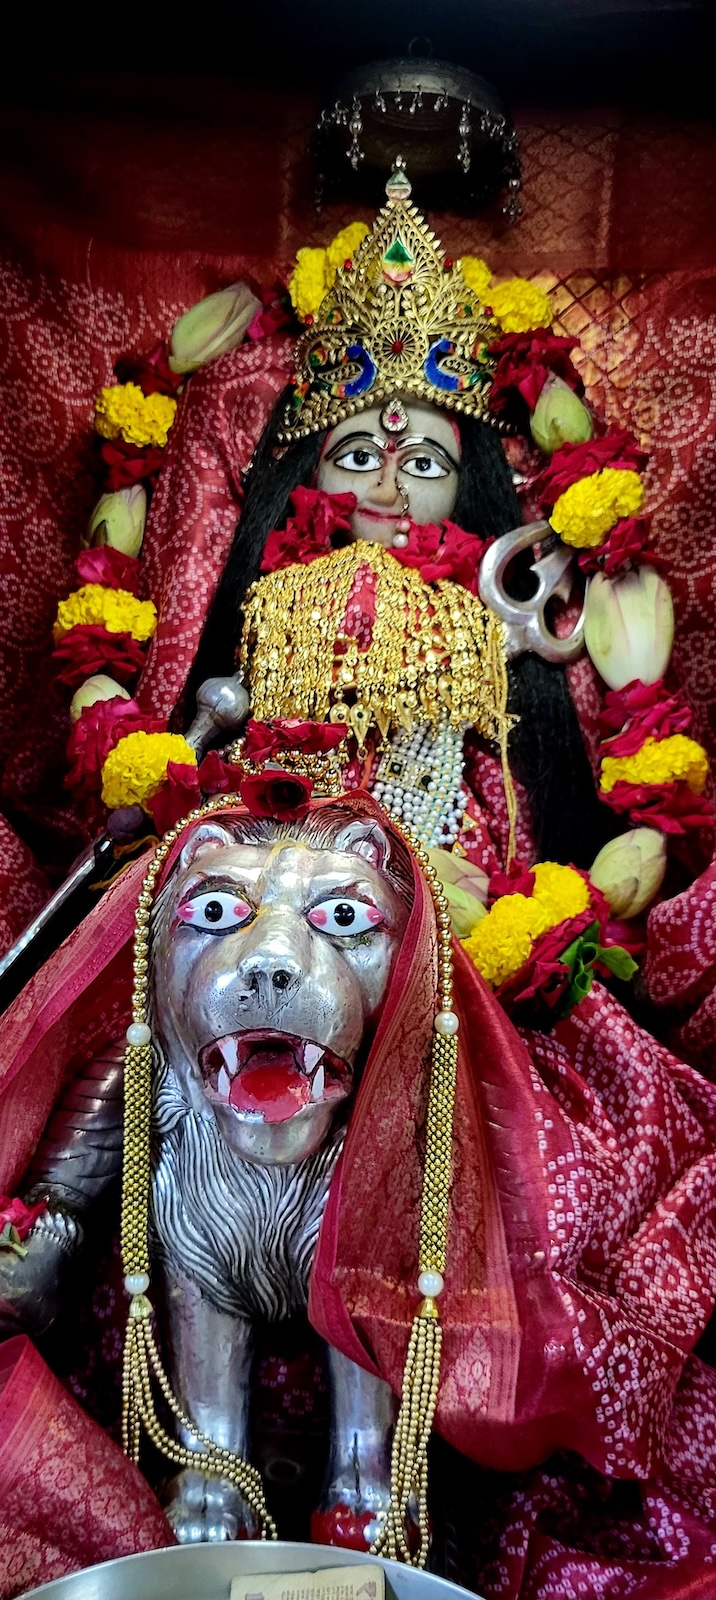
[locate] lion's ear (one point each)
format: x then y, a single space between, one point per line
209 836
365 839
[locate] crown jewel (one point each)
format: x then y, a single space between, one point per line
399 319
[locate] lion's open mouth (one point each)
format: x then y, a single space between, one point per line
272 1075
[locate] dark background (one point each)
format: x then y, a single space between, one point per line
658 54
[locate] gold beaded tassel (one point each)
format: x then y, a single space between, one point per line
421 1375
142 1362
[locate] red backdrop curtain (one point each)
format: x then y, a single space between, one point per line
123 204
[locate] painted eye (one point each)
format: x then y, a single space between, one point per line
216 911
423 467
359 459
345 916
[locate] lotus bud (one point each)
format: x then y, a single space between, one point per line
98 687
629 626
630 870
465 888
212 327
560 417
118 520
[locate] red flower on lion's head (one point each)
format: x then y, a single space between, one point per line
263 740
273 793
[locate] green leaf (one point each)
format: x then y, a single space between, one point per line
10 1240
618 961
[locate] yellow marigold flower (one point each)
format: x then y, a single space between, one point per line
477 276
137 766
114 609
123 412
560 891
344 246
309 282
659 761
590 508
520 306
501 942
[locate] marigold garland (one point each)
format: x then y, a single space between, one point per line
345 245
137 767
124 412
114 609
586 512
316 268
501 942
477 276
560 891
520 306
659 761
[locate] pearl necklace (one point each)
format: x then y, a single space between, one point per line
419 780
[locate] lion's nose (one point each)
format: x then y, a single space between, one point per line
266 975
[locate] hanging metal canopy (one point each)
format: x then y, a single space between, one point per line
447 123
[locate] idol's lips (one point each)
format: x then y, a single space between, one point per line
379 516
270 1075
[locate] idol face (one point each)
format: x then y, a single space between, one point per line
411 473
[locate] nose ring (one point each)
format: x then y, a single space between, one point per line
402 528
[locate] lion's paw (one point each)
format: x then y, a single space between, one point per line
204 1510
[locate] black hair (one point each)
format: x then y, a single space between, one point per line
547 752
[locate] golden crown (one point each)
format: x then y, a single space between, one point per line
399 319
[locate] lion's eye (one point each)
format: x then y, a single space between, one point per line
216 911
345 916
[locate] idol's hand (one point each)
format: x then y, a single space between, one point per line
31 1285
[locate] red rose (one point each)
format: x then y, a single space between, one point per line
310 532
443 551
630 936
15 1214
126 464
110 567
526 361
276 313
517 880
659 721
544 974
264 739
276 794
179 794
672 807
90 648
217 776
97 730
628 540
574 461
152 373
620 705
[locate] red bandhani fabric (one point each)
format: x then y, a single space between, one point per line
68 1496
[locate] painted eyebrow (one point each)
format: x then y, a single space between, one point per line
352 438
334 893
209 885
414 441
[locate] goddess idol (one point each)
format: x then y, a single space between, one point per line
367 999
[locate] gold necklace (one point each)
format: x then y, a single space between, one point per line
434 649
434 652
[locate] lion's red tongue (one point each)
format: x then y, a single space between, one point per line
271 1084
